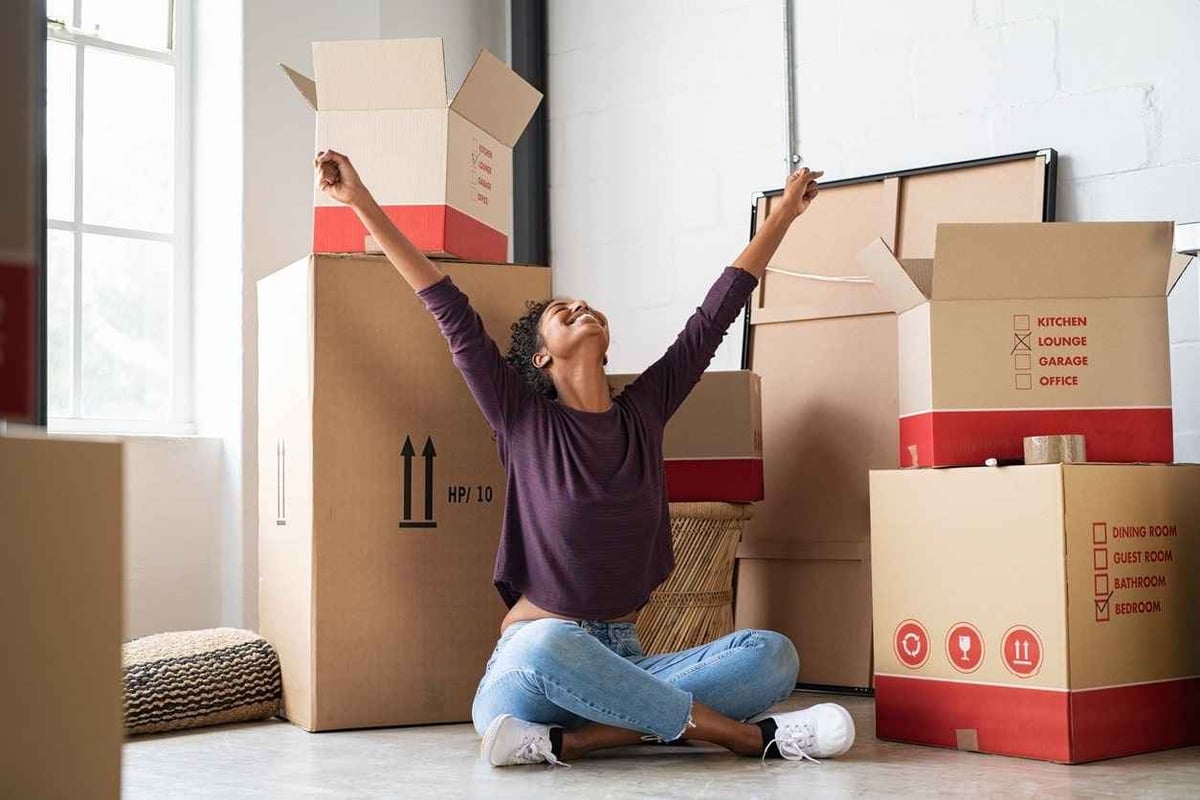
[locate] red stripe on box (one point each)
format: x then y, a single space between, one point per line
432 228
337 229
728 480
1008 720
1071 727
1124 720
469 239
964 438
16 340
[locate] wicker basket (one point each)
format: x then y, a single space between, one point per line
695 604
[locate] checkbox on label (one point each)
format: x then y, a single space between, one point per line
1023 380
1023 361
1099 533
1100 558
1102 609
1102 585
1021 322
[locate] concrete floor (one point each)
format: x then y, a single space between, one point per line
275 759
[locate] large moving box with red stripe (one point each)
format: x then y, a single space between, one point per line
442 173
1015 330
712 446
380 492
1041 611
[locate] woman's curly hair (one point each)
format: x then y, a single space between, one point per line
527 340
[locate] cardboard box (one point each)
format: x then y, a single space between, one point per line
380 492
1041 611
1015 330
824 340
442 173
62 517
712 446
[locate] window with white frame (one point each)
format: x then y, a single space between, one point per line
118 278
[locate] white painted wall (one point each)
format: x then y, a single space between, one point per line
665 116
172 555
217 275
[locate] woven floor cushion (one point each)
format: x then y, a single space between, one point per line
189 679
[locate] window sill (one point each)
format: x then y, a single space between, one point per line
120 427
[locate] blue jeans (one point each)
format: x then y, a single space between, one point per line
569 673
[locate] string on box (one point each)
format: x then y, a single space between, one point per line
808 276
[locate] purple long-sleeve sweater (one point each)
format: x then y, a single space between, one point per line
586 531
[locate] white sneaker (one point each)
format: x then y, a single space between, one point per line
509 741
823 731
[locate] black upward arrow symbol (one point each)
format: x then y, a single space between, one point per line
428 453
408 454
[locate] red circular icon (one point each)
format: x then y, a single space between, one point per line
964 647
911 644
1022 651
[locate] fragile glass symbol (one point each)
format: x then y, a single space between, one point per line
964 644
1021 655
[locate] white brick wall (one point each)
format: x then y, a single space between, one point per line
665 118
677 115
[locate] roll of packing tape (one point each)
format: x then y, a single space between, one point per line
1064 449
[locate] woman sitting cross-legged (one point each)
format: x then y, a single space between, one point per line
586 533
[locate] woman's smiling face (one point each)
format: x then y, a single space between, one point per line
568 325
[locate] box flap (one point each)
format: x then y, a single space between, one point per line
380 73
304 84
1179 265
496 99
891 277
990 261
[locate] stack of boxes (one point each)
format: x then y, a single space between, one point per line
1042 611
380 490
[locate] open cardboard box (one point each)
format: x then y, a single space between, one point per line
1015 330
442 173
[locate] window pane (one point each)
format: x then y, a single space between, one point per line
126 369
137 22
61 10
128 142
60 320
60 130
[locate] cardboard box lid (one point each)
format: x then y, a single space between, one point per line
496 99
1009 261
373 74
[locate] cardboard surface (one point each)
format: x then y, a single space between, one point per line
60 678
373 74
377 585
442 173
496 99
826 351
1063 317
1042 607
717 462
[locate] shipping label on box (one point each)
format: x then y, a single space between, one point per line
442 172
1036 611
1016 330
